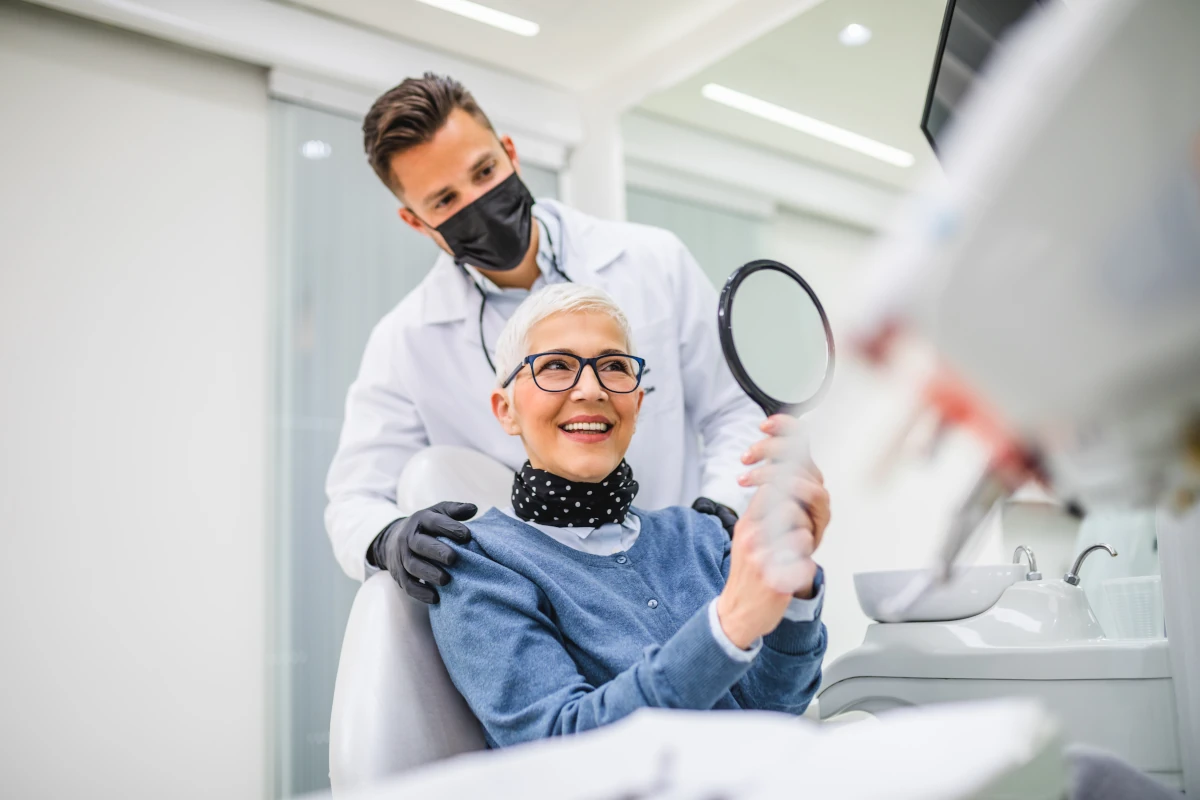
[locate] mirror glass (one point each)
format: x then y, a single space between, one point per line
779 336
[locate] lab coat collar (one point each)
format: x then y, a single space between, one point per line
446 292
588 246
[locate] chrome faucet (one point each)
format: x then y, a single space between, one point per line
1033 574
1072 577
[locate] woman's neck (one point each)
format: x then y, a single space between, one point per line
542 496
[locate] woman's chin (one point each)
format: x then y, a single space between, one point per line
586 470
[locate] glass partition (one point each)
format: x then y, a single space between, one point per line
720 240
344 259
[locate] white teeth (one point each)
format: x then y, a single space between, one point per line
597 427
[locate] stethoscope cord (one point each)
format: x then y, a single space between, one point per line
482 303
483 294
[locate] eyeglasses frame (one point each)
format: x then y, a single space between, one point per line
583 364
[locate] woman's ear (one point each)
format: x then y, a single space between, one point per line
502 409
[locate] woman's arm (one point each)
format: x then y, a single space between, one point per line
787 672
754 614
506 656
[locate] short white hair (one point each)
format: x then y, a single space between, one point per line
561 298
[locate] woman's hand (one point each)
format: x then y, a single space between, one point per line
749 607
807 485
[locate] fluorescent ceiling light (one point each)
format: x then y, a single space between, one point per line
488 16
854 34
813 127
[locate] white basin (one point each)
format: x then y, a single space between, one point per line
971 591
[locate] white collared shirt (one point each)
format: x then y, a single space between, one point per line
603 540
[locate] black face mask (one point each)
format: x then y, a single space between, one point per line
492 233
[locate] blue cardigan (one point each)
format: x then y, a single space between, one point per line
544 640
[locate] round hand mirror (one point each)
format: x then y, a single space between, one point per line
776 337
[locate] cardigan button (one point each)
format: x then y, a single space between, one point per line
622 560
652 603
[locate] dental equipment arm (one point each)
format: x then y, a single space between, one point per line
1054 270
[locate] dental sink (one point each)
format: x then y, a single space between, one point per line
1004 632
970 591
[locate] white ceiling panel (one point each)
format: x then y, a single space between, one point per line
581 42
875 90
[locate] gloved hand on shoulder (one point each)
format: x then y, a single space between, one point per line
409 550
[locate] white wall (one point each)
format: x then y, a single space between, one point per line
135 372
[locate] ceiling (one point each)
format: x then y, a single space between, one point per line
876 90
581 42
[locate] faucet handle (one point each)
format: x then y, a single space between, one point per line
1033 574
1072 577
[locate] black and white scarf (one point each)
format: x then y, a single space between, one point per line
545 498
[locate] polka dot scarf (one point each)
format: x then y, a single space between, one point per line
543 497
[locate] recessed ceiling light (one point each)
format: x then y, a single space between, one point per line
813 127
488 16
854 34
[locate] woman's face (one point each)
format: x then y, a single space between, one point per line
541 418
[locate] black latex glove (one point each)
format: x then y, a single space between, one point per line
725 514
408 549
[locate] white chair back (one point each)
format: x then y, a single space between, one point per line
394 706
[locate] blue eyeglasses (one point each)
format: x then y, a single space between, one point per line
557 372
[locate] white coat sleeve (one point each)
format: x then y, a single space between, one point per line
381 432
726 417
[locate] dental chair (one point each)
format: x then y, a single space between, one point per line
394 707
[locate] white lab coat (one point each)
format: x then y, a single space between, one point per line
424 380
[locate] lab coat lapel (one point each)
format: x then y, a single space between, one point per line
589 244
447 292
450 299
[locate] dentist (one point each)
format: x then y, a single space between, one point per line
428 369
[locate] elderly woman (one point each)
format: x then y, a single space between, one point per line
572 608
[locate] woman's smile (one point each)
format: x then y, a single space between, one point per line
587 428
580 432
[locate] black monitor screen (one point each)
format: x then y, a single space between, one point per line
970 31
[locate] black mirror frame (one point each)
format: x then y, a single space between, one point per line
769 404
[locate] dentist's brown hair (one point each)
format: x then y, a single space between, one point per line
411 114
